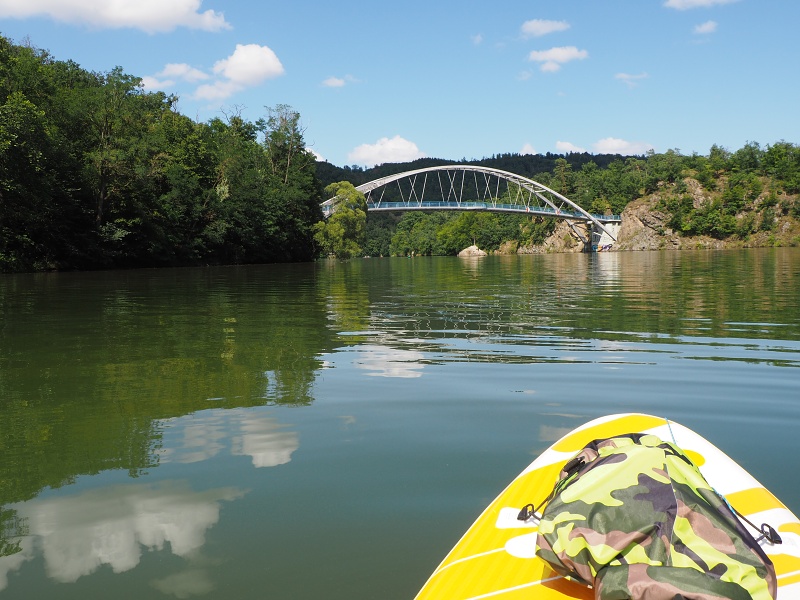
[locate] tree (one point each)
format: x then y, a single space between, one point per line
563 176
342 235
26 186
284 140
718 158
747 159
112 124
662 168
293 192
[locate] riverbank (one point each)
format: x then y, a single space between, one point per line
648 223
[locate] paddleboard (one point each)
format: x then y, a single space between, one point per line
495 559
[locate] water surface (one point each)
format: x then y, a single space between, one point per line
330 429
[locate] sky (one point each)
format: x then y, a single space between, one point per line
378 82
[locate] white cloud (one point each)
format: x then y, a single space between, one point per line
151 16
171 73
552 59
477 39
707 27
540 27
565 147
151 84
184 72
316 154
334 82
527 149
337 82
249 65
385 150
688 4
612 145
219 90
630 80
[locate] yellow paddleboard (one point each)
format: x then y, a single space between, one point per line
496 557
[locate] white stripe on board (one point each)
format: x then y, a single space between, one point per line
515 588
466 558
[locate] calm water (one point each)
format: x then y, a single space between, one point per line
330 430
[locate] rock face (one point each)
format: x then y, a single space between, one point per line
645 228
472 251
563 239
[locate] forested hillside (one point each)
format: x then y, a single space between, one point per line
738 197
97 173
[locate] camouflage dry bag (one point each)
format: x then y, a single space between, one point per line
633 517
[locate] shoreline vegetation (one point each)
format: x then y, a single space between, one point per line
97 173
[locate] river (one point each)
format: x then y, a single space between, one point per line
329 430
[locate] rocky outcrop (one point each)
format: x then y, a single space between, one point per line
472 251
565 238
645 228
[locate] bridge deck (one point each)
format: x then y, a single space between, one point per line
545 211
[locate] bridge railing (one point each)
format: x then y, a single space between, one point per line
385 206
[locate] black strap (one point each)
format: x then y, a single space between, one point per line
571 468
767 531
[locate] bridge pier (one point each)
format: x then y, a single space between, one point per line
601 240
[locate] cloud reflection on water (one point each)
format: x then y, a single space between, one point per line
382 361
112 526
78 534
202 436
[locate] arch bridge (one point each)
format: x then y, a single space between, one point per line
468 187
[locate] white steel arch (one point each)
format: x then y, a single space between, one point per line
469 187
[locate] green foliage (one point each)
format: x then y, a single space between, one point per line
662 168
747 159
96 172
767 219
378 234
718 158
440 233
342 235
416 234
782 163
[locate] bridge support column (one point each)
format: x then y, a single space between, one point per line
601 240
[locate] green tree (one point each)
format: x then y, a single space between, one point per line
293 192
563 176
782 163
27 213
747 159
342 234
662 168
718 158
378 234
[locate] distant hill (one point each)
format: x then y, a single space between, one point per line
527 165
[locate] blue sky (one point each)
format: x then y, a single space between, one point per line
382 82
